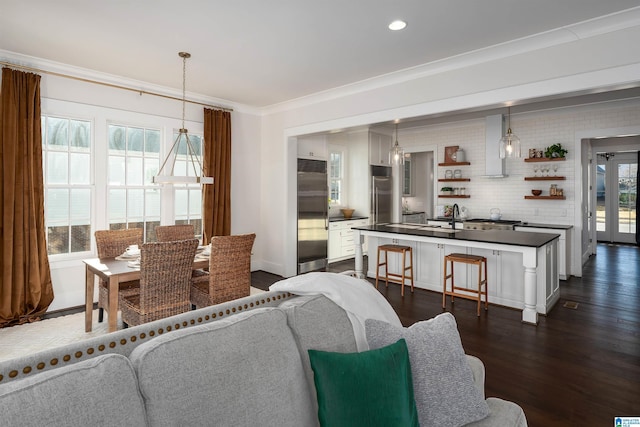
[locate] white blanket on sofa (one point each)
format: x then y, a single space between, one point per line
357 297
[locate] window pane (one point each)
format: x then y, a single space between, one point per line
57 168
180 167
57 132
152 203
57 206
135 205
181 202
80 206
136 141
117 205
80 137
80 238
134 171
58 240
116 170
117 138
195 203
152 141
196 145
151 167
80 168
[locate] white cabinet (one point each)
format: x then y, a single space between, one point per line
341 239
564 247
313 147
379 146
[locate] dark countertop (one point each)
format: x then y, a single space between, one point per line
504 237
412 212
340 218
536 225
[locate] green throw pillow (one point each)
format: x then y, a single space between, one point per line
371 388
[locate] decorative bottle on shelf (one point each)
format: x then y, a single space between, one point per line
460 155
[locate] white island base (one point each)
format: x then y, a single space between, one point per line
519 276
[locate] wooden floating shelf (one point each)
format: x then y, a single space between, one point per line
545 159
453 196
454 164
544 178
454 179
544 197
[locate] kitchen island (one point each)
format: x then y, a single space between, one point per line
522 267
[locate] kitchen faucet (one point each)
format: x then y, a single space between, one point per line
453 215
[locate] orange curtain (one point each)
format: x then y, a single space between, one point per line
216 205
25 280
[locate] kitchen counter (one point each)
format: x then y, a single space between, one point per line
506 237
340 218
523 272
552 226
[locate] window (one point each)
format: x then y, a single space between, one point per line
336 177
133 161
66 157
188 197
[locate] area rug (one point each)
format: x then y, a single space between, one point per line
21 340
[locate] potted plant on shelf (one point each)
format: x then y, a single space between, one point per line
446 191
555 150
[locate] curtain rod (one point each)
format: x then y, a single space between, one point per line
140 91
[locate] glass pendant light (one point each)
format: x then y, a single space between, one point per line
510 143
167 176
396 154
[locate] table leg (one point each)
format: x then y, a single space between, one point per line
88 299
113 303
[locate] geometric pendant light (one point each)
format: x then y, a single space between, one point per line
166 176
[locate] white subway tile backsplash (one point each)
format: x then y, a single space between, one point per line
535 130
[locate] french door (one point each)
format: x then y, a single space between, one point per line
616 193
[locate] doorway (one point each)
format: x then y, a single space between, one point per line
616 193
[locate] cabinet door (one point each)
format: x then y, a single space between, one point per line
313 148
379 146
429 262
335 244
511 280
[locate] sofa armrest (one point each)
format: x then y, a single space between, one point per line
477 367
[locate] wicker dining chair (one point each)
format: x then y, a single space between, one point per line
168 233
229 275
165 278
110 244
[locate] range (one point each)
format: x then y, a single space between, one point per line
489 224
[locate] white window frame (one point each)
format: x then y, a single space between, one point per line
342 200
70 186
145 217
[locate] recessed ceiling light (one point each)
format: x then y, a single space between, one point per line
397 25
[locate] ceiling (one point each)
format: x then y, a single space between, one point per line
261 53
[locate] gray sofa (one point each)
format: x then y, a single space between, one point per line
243 363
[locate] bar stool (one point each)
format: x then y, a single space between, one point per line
394 277
477 294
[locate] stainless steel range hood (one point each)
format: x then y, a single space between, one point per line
494 130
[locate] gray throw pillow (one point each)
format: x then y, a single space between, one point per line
444 390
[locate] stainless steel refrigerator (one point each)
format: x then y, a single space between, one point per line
381 194
313 215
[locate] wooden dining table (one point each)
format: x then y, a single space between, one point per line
113 271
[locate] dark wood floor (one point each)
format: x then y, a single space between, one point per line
579 367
